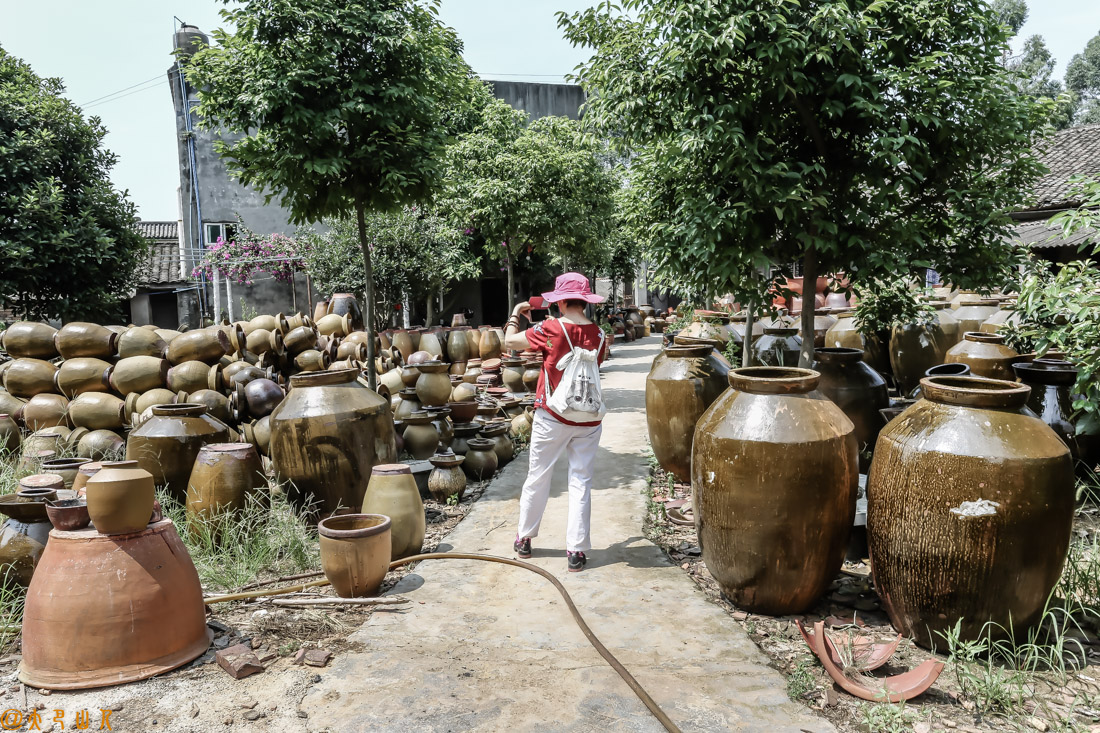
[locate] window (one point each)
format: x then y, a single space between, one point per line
224 229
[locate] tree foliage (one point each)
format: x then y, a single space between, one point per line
1083 78
1010 13
859 136
69 246
1034 68
520 186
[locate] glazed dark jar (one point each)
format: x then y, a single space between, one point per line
326 435
970 504
857 389
986 354
914 348
1051 397
167 444
778 347
682 383
774 470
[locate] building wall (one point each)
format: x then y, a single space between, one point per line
540 100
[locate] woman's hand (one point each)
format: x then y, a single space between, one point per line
521 309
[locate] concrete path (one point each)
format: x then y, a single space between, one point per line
491 647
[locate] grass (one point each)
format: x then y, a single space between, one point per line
801 681
886 717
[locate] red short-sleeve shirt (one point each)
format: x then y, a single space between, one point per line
546 336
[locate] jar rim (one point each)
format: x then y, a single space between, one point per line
318 379
971 391
774 380
180 408
984 338
375 524
839 354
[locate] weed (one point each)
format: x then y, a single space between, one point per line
991 687
452 500
11 613
800 681
884 717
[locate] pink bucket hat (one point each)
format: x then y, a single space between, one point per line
572 286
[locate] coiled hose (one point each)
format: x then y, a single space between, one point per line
616 665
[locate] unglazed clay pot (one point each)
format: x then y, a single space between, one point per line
443 425
120 497
100 444
857 389
191 376
351 351
433 386
141 342
326 435
225 475
1051 399
206 345
430 342
774 477
82 374
264 321
29 340
168 443
985 354
109 610
139 374
778 347
68 514
28 377
85 339
355 552
447 479
973 312
970 506
392 492
682 383
96 411
481 458
45 411
913 349
420 435
522 424
464 392
392 381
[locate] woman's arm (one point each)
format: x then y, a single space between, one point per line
514 338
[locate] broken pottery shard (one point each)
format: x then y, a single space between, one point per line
317 657
239 661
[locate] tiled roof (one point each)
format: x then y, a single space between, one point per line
164 258
1039 234
1071 152
159 230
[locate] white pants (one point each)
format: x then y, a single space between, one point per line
549 439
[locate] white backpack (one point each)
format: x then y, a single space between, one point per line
578 397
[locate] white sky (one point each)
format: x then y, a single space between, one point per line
100 47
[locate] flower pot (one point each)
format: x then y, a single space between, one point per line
326 435
29 340
101 444
392 492
914 348
85 339
141 342
985 354
28 377
857 389
223 478
682 383
943 555
83 374
497 432
481 458
45 411
96 411
778 347
168 443
774 476
205 345
355 552
447 479
120 497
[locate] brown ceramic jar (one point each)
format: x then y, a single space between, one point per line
23 537
914 348
223 478
511 372
970 505
168 443
85 339
355 552
481 458
83 374
778 347
10 437
985 354
489 346
205 345
682 383
29 340
447 479
973 312
843 334
101 444
141 342
191 376
139 374
326 435
45 411
497 432
1051 399
120 497
857 389
774 475
421 436
948 323
97 411
27 377
433 386
392 492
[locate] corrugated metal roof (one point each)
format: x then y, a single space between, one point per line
1041 235
1071 152
159 230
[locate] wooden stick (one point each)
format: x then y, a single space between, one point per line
380 601
285 578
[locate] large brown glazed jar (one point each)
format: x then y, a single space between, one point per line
433 386
949 324
914 348
682 383
141 342
458 348
167 444
85 339
985 354
857 389
739 323
120 497
973 312
355 552
206 345
191 376
83 374
29 340
1051 398
392 492
774 474
326 435
97 411
45 411
27 377
225 475
139 374
778 347
970 505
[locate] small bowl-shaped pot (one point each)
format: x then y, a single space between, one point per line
462 412
355 553
68 514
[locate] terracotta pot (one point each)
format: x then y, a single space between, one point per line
82 374
139 374
29 340
774 478
205 345
326 435
973 312
68 515
258 434
939 561
914 348
120 497
334 325
392 492
945 317
502 444
858 390
141 342
985 354
85 339
778 347
447 479
224 476
481 458
191 376
216 404
100 444
28 377
433 386
134 603
682 383
10 437
355 553
23 537
168 443
66 468
1051 399
45 411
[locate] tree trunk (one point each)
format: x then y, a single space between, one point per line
746 346
429 312
809 304
368 272
511 282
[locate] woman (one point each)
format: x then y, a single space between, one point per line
551 435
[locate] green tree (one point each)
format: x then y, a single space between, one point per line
861 136
1010 13
1035 69
520 186
1083 78
343 106
68 241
